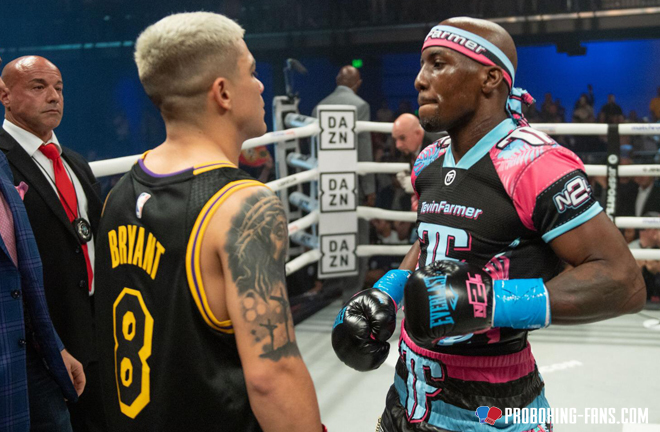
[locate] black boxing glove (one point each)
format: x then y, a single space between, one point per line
362 328
367 321
452 298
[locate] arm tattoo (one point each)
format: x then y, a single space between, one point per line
256 246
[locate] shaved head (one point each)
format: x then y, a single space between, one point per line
17 68
407 133
455 87
406 122
2 83
490 31
350 77
33 97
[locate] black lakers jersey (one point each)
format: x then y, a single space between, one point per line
168 364
498 208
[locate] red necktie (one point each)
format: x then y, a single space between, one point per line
67 194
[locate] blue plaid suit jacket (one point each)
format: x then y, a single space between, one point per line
18 284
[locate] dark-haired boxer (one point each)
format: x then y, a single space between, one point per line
511 202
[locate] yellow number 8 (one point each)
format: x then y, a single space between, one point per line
133 330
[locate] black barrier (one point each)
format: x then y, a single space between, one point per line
613 157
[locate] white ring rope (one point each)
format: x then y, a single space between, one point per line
596 128
108 167
638 222
646 254
302 260
625 170
369 126
369 213
284 135
304 222
308 127
382 167
121 165
293 180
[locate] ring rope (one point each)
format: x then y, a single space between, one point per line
304 222
308 127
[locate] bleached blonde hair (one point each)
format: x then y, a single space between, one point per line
180 56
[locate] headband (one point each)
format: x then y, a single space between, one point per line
486 53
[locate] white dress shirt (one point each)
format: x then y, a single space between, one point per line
31 144
642 196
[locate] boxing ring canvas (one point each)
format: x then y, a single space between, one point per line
609 364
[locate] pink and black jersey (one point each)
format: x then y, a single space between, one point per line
499 208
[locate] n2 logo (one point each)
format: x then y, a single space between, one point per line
575 193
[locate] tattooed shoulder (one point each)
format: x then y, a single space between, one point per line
256 248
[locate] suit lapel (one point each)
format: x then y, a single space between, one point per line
34 177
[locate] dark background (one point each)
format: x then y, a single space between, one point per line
108 115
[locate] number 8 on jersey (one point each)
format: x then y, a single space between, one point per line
133 331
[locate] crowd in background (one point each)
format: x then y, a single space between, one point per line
638 196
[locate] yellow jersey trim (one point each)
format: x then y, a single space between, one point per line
193 253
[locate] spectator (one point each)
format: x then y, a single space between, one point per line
629 234
590 95
654 106
561 111
548 109
404 107
583 112
384 113
383 233
64 210
405 232
649 238
648 196
612 111
531 113
348 83
410 139
257 162
551 114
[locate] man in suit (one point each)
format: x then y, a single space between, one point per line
409 138
348 82
25 325
643 197
64 209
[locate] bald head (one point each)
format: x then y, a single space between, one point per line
2 83
33 98
408 134
350 77
18 68
490 31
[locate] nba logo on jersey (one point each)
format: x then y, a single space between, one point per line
141 201
449 178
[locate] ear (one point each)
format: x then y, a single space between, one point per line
222 93
4 95
493 77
